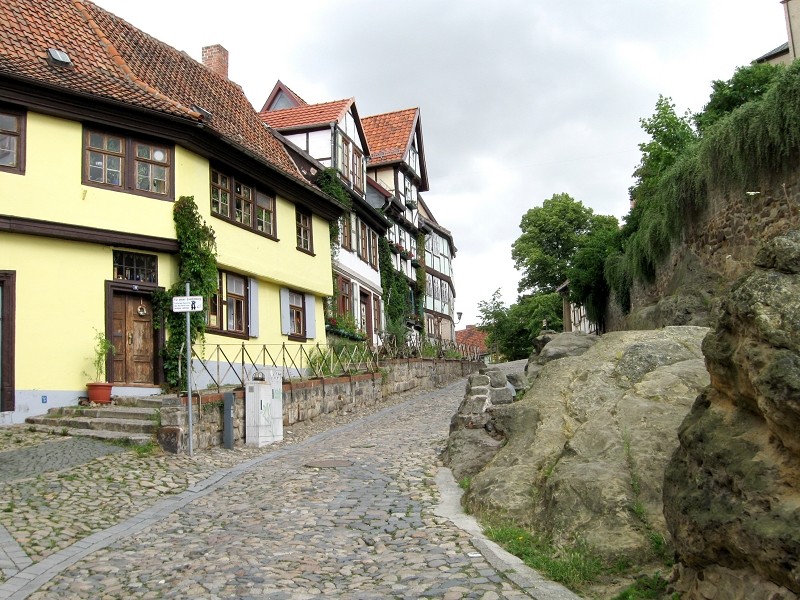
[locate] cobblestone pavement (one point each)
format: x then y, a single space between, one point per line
343 508
52 456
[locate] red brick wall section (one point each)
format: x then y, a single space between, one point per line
216 58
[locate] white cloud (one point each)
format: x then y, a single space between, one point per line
519 99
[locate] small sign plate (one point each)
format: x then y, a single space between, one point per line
187 304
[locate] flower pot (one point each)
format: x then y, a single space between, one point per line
100 392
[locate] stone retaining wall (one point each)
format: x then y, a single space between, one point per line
307 399
725 236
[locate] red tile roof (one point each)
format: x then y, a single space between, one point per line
307 115
474 337
114 61
389 135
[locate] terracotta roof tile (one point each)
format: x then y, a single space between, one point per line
307 115
472 336
114 61
389 134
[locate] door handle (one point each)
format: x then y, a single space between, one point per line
130 339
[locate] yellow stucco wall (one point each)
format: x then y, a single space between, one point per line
60 285
60 301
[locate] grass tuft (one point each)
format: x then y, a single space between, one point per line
574 566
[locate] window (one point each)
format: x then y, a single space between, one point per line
345 305
304 239
152 168
297 312
132 266
12 142
114 161
242 203
373 257
220 194
413 156
265 214
106 155
298 315
347 232
343 157
233 308
363 241
358 170
235 300
376 312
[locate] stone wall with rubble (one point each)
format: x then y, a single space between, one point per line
718 247
307 399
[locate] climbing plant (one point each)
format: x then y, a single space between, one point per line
329 182
396 297
421 279
197 265
749 128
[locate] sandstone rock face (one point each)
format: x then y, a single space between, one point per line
552 346
585 449
731 497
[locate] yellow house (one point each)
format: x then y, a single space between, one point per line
102 129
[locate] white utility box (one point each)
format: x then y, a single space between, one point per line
263 412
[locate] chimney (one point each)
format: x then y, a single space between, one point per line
216 58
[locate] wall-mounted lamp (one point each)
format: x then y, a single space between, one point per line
458 315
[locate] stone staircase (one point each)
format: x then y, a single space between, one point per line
132 419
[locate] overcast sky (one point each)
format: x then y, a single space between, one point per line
520 99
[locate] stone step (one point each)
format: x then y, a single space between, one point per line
142 401
137 426
106 412
138 439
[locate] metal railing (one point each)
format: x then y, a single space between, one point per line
217 365
420 347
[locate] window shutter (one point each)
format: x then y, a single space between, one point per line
285 320
311 316
252 306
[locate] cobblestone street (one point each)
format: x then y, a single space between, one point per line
346 512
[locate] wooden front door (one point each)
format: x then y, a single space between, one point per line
132 336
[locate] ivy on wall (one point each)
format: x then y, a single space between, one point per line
396 297
329 182
421 279
757 138
197 264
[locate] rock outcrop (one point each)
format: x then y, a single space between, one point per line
732 488
473 441
552 346
585 449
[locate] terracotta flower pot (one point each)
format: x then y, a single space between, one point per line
100 392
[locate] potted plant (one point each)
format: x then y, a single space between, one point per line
99 390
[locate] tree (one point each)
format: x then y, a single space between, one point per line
669 135
747 83
512 329
587 280
551 234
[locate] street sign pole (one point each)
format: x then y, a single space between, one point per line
189 375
